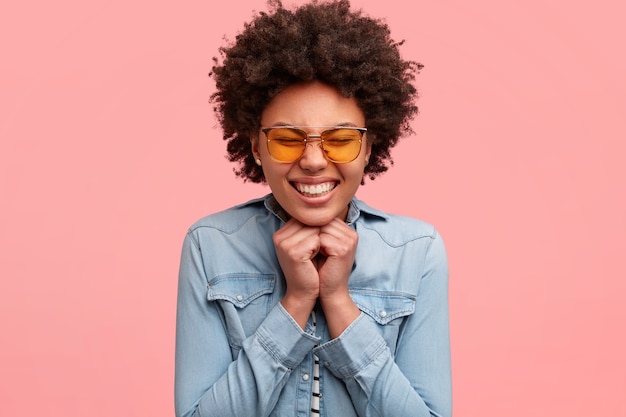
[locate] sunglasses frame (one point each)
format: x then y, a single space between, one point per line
308 136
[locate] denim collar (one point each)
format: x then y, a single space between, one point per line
357 207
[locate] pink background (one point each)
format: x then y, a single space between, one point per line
109 151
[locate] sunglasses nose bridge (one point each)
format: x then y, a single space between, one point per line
312 139
318 138
315 138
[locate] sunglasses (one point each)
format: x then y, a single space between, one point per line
288 143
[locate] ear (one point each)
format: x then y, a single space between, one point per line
254 144
368 151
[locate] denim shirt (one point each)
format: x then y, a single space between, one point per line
239 353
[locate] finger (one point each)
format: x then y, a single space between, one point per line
337 238
293 232
337 227
298 242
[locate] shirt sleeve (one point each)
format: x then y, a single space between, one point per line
208 382
417 381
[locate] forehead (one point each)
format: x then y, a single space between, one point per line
312 104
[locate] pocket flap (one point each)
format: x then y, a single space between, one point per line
240 289
383 306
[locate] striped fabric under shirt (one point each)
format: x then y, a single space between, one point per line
315 402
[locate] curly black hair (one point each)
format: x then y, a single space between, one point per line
323 41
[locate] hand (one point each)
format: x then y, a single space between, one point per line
297 245
338 243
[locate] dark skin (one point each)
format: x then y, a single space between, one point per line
317 262
315 248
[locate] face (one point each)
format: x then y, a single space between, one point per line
312 104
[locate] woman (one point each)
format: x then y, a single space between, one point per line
307 301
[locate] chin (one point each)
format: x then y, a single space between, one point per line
317 219
315 223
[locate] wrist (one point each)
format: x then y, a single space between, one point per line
299 307
335 298
340 312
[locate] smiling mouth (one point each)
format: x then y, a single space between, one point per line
315 190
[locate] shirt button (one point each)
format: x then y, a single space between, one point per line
239 297
305 377
326 364
383 314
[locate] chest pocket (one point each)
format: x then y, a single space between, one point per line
387 308
244 300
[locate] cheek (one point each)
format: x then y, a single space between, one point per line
274 172
353 172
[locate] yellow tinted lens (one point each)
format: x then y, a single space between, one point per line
342 145
285 144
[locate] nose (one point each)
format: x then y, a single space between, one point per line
313 158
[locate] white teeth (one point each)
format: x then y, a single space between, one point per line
315 190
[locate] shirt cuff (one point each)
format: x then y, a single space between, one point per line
284 339
358 346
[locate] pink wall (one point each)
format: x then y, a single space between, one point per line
109 150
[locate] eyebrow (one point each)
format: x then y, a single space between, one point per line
342 124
